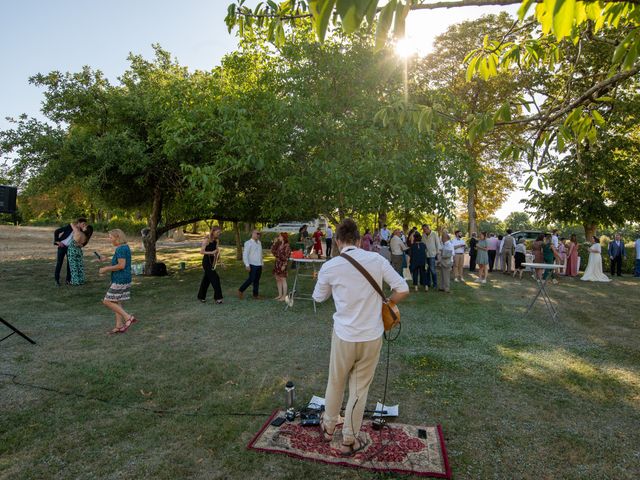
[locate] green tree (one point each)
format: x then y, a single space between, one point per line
113 140
594 185
518 221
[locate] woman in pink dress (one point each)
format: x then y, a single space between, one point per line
572 258
367 240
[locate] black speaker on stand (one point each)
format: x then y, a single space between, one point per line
8 197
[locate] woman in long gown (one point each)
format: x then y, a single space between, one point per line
593 272
572 257
74 253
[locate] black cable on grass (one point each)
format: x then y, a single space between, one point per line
157 411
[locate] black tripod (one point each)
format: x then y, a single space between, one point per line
15 330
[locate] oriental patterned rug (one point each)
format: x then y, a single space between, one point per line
396 448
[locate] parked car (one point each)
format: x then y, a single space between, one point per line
526 234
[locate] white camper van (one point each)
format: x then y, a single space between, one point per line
294 227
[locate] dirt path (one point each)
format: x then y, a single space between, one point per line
31 243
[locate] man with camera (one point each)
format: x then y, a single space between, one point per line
357 331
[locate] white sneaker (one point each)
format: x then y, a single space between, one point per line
415 288
426 289
456 280
484 281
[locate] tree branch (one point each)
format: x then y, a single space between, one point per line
550 116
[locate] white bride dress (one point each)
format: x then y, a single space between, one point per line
593 272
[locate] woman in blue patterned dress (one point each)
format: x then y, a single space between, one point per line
119 291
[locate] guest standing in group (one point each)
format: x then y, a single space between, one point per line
458 257
432 242
328 240
636 272
367 240
492 248
508 249
210 255
520 257
357 332
281 251
74 252
538 256
499 258
62 238
593 272
375 246
385 236
562 253
120 289
397 247
616 255
473 252
303 239
418 262
446 262
483 258
571 269
551 257
317 242
411 236
252 258
554 238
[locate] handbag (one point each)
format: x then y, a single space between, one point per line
390 311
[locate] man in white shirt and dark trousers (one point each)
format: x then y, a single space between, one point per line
328 240
357 331
252 258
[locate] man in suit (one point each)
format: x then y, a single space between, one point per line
61 238
508 249
616 254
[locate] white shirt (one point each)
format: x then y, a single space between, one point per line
358 316
252 254
67 240
522 248
397 246
554 240
501 245
329 233
447 247
638 249
458 245
384 235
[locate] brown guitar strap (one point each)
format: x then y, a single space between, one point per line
366 275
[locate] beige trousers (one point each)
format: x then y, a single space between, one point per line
355 363
445 274
458 263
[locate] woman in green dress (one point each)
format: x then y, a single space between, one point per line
482 257
74 252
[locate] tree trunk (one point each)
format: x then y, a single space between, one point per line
382 219
589 231
151 238
194 228
471 208
236 232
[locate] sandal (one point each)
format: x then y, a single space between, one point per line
352 451
115 330
326 435
128 323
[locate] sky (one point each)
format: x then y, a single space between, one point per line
39 36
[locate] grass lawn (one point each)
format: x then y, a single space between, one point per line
518 397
